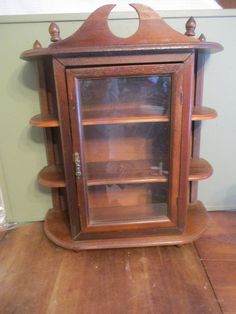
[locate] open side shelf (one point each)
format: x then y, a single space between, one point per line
203 113
45 121
52 176
56 227
200 169
109 173
123 115
139 171
138 114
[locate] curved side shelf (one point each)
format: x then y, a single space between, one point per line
203 113
52 176
200 169
45 121
56 227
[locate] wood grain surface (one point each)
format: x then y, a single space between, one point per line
46 121
217 249
219 240
222 275
38 277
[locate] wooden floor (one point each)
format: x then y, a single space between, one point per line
217 250
38 277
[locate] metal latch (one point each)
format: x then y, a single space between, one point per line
77 165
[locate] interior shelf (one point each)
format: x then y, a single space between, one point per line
128 113
46 121
125 171
52 176
203 113
122 114
200 169
122 172
139 171
131 113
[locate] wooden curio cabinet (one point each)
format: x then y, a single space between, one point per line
122 123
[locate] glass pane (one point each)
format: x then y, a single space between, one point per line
125 97
127 150
127 161
127 202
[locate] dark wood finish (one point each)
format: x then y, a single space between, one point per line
177 150
196 125
203 113
95 36
52 176
200 169
121 118
54 31
102 35
128 114
67 147
188 92
190 27
57 230
46 91
132 114
97 172
37 45
148 57
45 121
46 279
202 37
134 171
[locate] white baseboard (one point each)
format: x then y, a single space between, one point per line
221 207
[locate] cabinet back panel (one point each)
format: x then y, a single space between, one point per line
126 142
127 201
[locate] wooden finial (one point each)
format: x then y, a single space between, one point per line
190 27
202 37
37 45
54 31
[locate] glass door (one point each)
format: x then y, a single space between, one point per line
127 140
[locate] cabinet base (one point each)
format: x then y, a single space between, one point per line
57 230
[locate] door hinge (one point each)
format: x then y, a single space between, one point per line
77 164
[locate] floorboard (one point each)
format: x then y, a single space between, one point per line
38 277
219 240
222 275
217 250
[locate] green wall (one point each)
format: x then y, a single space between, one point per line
22 152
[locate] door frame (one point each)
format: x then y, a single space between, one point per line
176 72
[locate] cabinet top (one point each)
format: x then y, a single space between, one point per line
95 37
